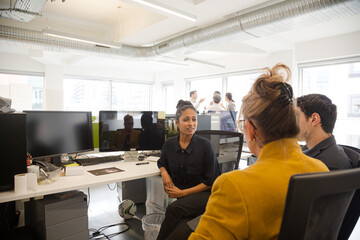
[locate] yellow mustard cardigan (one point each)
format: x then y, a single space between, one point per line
249 203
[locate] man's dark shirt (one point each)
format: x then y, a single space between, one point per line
191 166
332 155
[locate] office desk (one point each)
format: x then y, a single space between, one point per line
69 183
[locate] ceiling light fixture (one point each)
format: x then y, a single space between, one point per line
167 9
69 36
203 62
173 63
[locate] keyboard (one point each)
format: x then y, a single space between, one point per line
153 153
98 160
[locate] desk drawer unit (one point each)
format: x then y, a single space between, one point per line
58 216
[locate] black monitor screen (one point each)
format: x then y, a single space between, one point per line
127 130
52 133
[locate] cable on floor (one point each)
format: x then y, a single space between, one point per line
98 234
112 189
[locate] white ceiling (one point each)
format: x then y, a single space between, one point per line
130 23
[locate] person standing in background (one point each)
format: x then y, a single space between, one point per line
193 97
230 102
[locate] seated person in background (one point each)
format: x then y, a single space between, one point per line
249 203
188 167
317 121
216 104
212 101
150 138
127 138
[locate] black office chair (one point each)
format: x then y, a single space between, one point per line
227 146
353 212
316 204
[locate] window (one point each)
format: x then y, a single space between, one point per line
238 84
341 83
206 88
170 102
86 95
131 96
25 90
96 95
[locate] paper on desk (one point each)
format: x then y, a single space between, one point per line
152 159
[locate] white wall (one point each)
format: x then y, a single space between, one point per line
20 62
330 48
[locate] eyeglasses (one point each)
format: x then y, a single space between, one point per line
241 124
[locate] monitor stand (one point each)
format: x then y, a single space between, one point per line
56 161
131 156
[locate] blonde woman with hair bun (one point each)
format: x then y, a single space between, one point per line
249 203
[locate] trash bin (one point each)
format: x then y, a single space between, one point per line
151 224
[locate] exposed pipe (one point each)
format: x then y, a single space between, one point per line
277 18
23 10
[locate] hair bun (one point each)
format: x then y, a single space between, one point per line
183 103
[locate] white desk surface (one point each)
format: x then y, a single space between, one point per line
69 183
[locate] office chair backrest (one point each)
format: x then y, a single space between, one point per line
316 204
227 146
353 212
354 155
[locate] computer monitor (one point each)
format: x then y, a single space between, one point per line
131 130
53 133
228 121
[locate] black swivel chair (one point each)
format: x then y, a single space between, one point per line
316 204
353 212
227 146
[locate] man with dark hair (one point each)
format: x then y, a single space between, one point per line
216 94
215 107
317 120
193 97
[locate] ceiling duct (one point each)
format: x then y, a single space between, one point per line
23 10
276 18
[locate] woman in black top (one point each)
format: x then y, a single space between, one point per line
188 168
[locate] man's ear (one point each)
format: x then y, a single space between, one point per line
315 119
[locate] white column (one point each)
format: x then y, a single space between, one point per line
54 92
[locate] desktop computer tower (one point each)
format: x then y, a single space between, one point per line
12 148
